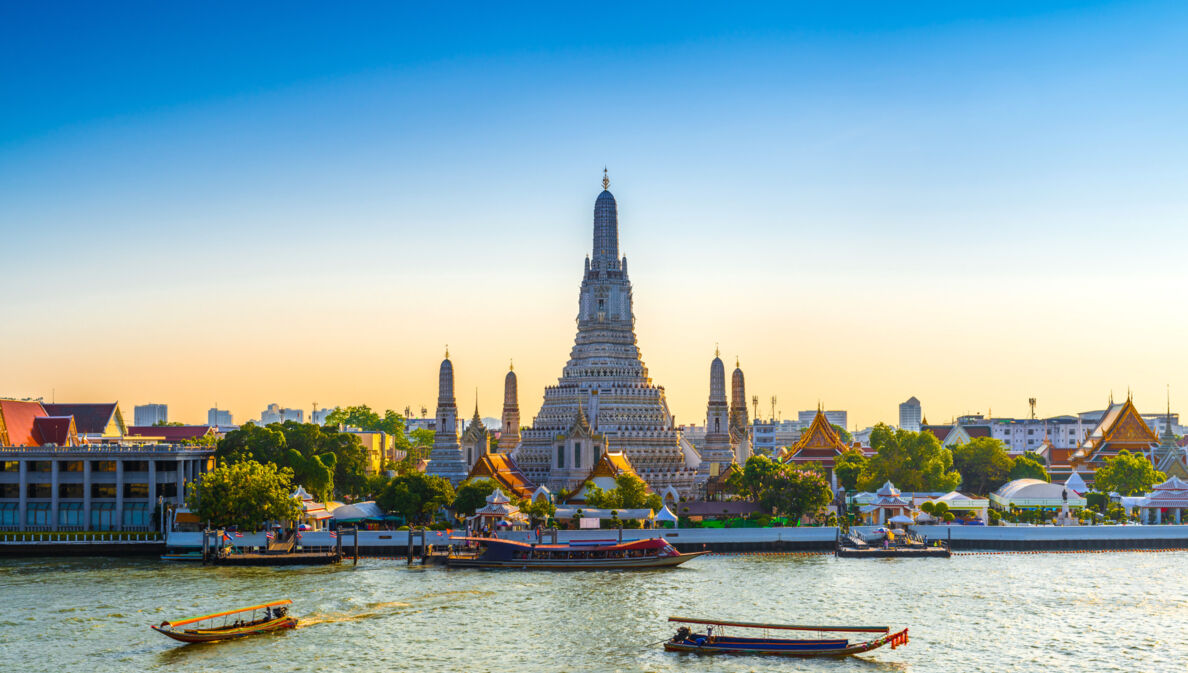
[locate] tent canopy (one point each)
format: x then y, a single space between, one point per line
358 511
666 515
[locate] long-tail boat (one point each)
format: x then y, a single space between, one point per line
716 640
496 553
272 616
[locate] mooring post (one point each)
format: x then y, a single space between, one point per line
356 545
205 545
338 545
408 552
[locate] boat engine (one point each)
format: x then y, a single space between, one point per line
681 634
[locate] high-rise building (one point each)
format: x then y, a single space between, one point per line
218 417
840 418
604 401
275 414
910 415
150 414
318 416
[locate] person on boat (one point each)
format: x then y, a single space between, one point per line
709 634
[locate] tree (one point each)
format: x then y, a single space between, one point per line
796 492
913 461
472 495
983 464
272 444
315 473
756 475
244 494
539 510
842 433
1127 474
848 468
630 492
1028 466
416 496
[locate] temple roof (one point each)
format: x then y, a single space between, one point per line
57 430
16 422
1121 425
89 419
170 433
611 465
820 440
502 469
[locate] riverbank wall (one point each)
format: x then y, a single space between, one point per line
726 540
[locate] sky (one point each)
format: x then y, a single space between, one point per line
972 203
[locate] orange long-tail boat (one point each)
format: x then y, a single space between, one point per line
231 624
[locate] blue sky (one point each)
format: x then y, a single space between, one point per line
866 168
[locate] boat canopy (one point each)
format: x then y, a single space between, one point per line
793 627
203 618
649 543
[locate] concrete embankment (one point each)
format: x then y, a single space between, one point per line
961 538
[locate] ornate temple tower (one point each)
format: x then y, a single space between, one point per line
509 436
445 459
604 394
740 425
716 449
475 442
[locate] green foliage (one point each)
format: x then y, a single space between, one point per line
364 418
983 464
168 424
245 494
842 433
421 437
538 511
1097 501
276 443
1127 474
315 473
416 496
1029 466
472 495
913 461
995 517
928 507
848 468
779 487
630 492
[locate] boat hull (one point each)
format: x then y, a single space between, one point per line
216 635
574 564
786 650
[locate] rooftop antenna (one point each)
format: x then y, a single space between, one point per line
773 403
424 411
755 405
1031 402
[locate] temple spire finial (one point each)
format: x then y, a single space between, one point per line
511 365
447 352
717 351
605 179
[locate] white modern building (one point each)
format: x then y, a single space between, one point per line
910 415
275 414
150 414
318 416
768 437
219 418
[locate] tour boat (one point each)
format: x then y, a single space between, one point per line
496 553
208 628
715 640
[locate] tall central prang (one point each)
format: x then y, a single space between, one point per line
604 400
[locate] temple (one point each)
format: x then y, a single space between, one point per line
740 424
604 400
509 434
820 443
445 459
1121 428
716 449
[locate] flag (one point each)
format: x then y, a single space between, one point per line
238 534
333 534
268 536
226 537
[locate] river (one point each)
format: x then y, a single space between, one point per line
1002 612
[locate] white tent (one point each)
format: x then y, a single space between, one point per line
899 518
359 510
666 514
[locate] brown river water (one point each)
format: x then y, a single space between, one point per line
1124 612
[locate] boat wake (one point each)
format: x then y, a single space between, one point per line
371 610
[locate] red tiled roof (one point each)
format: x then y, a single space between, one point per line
89 419
941 431
170 433
53 430
16 422
977 430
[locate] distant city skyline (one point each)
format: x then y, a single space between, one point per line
974 203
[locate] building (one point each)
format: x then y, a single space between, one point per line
96 423
446 459
838 418
604 399
219 418
275 414
910 415
817 444
475 440
52 479
150 414
318 416
1120 428
770 436
170 434
716 445
378 447
509 427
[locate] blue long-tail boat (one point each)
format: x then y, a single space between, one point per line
717 640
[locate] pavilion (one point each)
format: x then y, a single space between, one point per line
1168 498
1035 494
498 511
888 503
